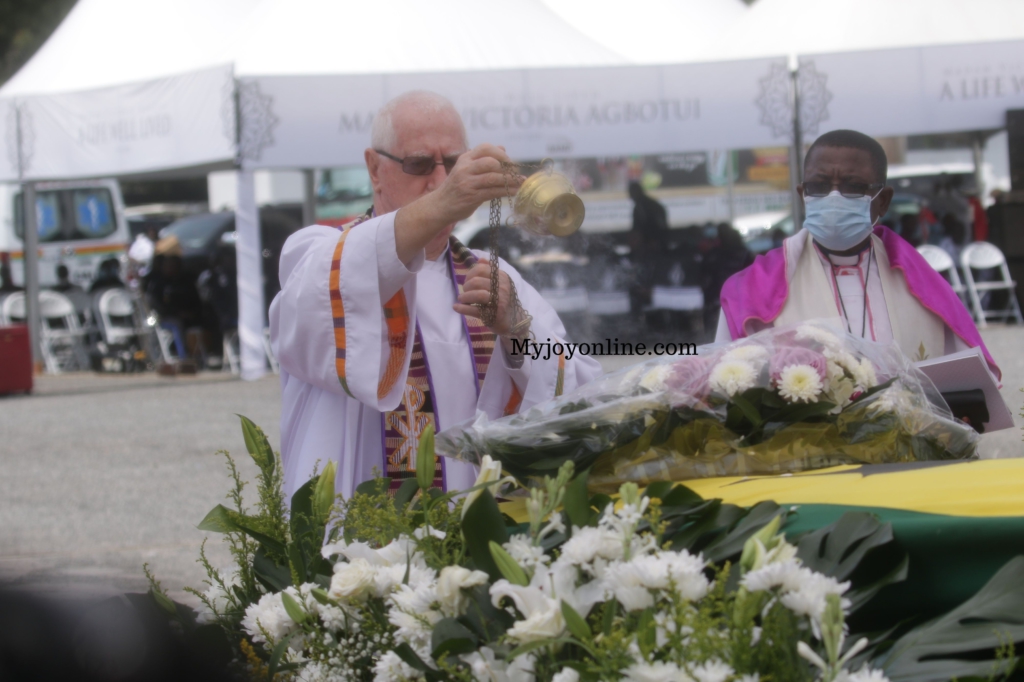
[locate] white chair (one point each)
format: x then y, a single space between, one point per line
61 337
942 263
117 317
269 351
231 361
986 256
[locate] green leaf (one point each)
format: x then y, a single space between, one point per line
257 444
748 409
731 543
576 623
293 608
409 655
323 495
511 571
610 607
482 525
576 503
374 486
271 575
405 493
321 596
274 665
681 496
658 489
297 563
939 649
224 520
854 541
426 463
164 602
450 637
530 646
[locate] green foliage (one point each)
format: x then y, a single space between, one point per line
947 647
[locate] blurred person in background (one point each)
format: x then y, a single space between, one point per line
172 294
841 265
378 326
727 257
648 243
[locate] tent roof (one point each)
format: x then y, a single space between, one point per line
653 31
113 42
314 37
812 26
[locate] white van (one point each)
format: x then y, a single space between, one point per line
81 225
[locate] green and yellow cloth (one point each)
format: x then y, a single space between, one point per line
959 522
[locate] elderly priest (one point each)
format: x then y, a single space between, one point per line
378 325
842 265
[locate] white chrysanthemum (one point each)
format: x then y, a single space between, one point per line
521 548
800 383
732 376
823 337
654 379
712 671
659 671
391 668
749 353
843 358
785 574
864 374
809 597
587 544
268 618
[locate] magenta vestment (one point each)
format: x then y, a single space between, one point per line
760 291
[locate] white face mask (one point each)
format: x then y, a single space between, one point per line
839 223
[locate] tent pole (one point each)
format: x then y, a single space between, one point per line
796 173
30 259
249 261
308 196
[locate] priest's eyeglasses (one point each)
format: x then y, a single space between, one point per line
421 165
850 190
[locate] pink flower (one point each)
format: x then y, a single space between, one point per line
690 376
794 355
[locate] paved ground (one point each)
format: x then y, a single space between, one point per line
100 474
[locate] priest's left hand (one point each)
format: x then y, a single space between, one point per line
477 289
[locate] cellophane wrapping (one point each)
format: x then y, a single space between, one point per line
784 400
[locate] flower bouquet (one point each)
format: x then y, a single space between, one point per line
786 399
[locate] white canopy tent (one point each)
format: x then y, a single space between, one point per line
655 31
124 86
521 76
129 87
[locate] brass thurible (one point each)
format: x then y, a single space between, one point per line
547 204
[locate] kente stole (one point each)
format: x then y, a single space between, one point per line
401 428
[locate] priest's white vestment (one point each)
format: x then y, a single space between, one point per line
320 420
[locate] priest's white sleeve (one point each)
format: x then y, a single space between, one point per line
328 323
537 379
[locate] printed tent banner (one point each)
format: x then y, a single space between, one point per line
165 123
325 120
919 90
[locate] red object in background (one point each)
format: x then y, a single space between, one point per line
15 360
980 220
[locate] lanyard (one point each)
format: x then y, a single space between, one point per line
839 293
